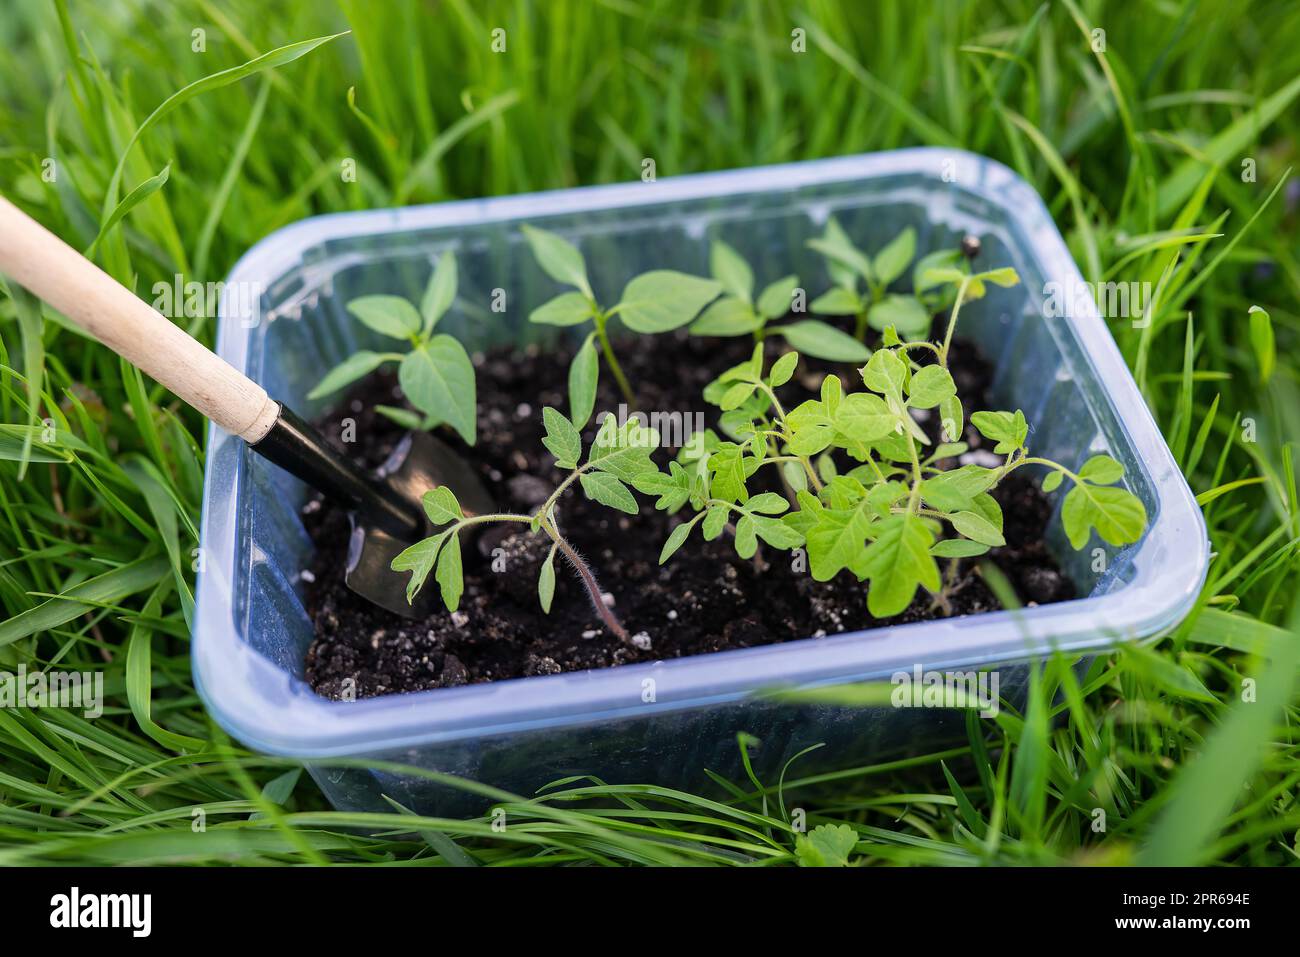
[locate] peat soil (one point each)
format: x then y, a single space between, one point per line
706 598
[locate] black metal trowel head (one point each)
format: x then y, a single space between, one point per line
386 509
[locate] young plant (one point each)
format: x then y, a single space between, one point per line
871 305
618 455
436 375
657 301
890 517
738 313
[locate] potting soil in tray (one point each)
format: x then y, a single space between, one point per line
706 598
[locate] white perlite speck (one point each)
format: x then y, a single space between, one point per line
642 640
589 634
306 575
459 619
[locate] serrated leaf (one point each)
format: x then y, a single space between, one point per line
863 418
815 338
440 293
623 450
727 316
1101 470
906 314
418 559
437 378
835 542
892 261
609 491
390 316
663 299
783 369
562 439
768 503
777 298
776 532
956 489
930 385
354 367
1008 429
884 373
673 489
559 258
729 268
897 563
1116 513
566 309
441 506
826 845
584 373
715 520
546 582
731 469
977 528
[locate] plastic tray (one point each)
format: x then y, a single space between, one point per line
251 632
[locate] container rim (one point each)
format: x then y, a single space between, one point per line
237 683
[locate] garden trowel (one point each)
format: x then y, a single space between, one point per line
385 508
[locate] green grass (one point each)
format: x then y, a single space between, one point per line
1138 151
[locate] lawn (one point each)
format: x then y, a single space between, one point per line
167 138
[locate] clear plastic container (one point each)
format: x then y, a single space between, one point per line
251 631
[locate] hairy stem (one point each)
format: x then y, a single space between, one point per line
589 582
952 322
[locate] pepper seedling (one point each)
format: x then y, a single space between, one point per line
436 376
737 312
656 301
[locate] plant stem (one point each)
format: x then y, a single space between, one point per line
589 582
612 361
860 326
780 414
952 322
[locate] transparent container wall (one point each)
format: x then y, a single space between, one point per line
251 632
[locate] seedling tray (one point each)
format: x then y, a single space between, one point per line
283 323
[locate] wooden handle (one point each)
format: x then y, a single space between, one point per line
55 272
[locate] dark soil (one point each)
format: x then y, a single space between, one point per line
704 599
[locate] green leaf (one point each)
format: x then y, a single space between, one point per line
441 506
354 367
1101 470
822 341
826 845
727 316
441 291
736 395
673 489
767 503
559 258
731 468
676 539
1052 480
566 309
407 419
836 542
778 297
731 271
929 269
1116 513
930 385
892 261
562 439
836 246
715 520
746 537
864 418
1009 430
663 299
546 582
449 575
906 314
143 191
390 316
957 548
956 489
777 533
897 563
623 450
977 528
884 373
837 301
1006 277
438 379
1261 340
783 369
584 373
950 415
418 559
607 490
